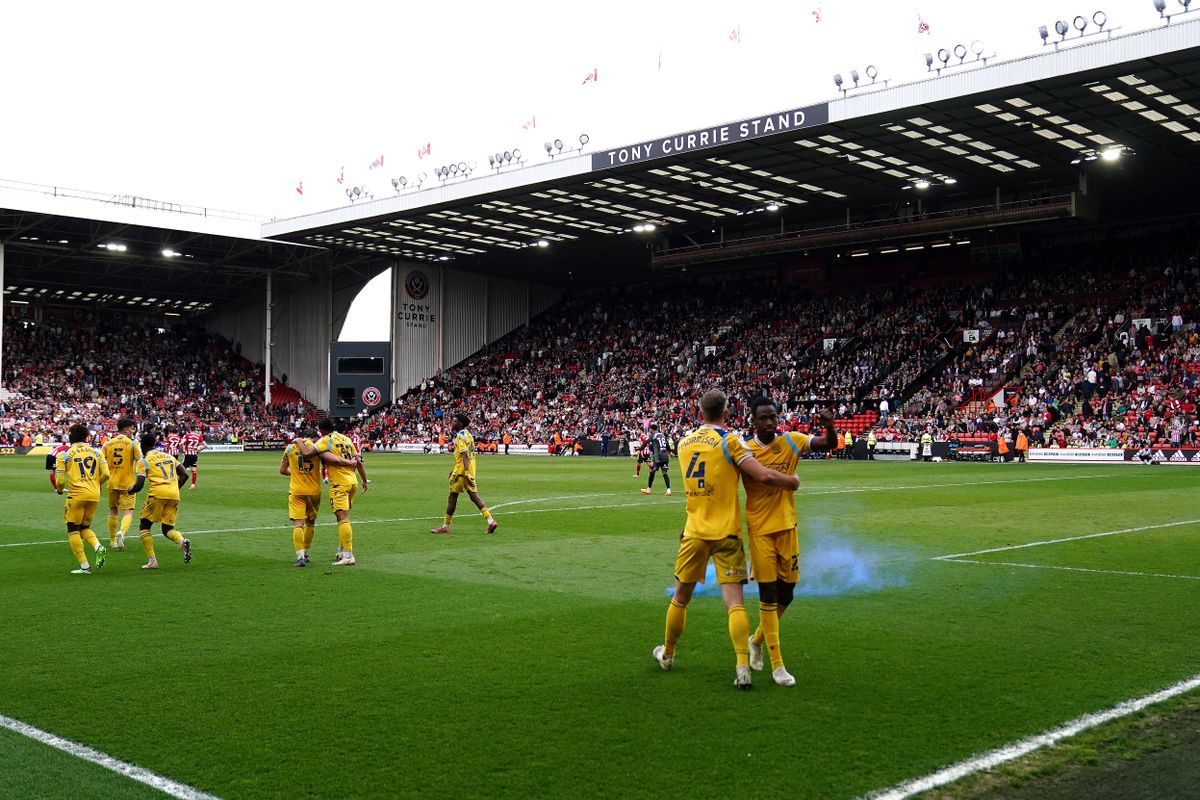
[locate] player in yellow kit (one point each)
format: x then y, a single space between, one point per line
343 483
79 471
711 459
462 477
304 490
771 523
166 476
121 453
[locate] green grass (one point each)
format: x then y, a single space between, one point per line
519 665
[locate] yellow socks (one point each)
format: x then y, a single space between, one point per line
112 529
446 519
90 538
125 522
298 538
676 620
77 548
739 633
487 514
346 536
309 531
174 535
769 614
147 543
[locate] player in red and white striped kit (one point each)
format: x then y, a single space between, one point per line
172 441
193 443
51 458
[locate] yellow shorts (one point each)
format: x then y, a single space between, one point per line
775 557
463 483
694 554
158 509
121 500
303 506
341 496
80 512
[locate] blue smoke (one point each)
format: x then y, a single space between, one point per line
830 565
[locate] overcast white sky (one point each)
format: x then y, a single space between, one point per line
233 104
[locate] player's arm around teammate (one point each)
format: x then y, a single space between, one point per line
711 460
343 484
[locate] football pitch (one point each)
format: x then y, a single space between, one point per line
518 665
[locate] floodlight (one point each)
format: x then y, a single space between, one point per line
1160 6
549 147
773 207
1062 28
454 169
639 228
357 191
558 144
944 56
854 76
950 181
928 61
491 161
650 226
395 183
542 243
977 48
921 184
507 156
872 72
1185 4
1080 23
584 139
516 154
1045 34
1111 154
462 167
960 52
1100 18
837 79
169 253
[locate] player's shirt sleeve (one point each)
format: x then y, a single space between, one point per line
141 467
60 462
803 442
733 449
323 444
103 464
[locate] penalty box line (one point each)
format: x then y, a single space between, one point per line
959 556
1015 750
132 771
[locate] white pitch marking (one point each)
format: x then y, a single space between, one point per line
164 785
641 503
1070 569
1010 752
1065 539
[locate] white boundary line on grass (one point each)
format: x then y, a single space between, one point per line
630 505
153 779
956 556
368 521
1010 752
1072 569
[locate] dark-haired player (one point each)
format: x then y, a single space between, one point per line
166 477
122 454
79 471
193 443
304 490
343 483
771 523
660 459
462 477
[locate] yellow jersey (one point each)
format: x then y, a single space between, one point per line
306 470
160 471
84 468
340 445
770 509
122 454
708 459
464 451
